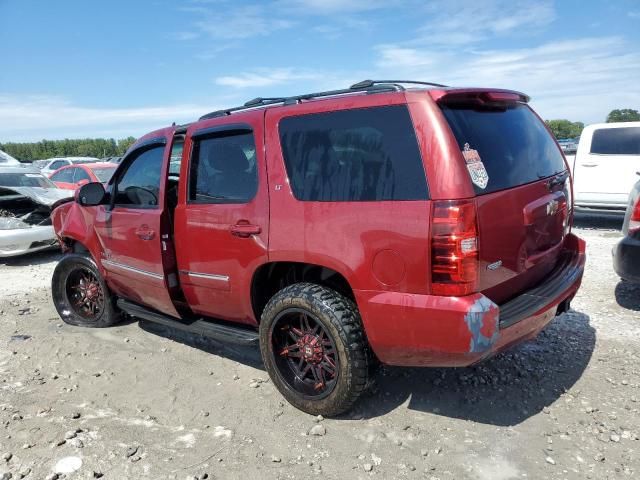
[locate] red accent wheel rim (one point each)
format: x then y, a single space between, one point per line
85 293
304 353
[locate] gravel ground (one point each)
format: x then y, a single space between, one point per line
130 403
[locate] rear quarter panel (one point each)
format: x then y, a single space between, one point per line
374 245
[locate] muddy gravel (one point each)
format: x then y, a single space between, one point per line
136 401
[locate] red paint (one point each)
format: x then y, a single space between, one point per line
87 168
382 249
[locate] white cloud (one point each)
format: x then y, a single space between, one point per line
634 14
470 21
266 77
29 118
331 7
234 23
580 79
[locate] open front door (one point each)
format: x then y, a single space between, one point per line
132 226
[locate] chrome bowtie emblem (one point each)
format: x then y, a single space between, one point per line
552 207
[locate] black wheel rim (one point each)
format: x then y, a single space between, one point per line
85 294
304 353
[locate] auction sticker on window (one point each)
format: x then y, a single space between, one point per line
478 173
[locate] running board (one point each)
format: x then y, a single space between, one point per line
226 333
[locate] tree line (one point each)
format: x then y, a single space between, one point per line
567 129
108 147
85 147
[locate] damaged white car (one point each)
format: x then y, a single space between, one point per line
26 201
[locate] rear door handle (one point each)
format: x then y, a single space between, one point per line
145 233
245 230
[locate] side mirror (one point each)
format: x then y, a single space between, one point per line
91 194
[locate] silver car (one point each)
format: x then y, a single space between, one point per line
26 200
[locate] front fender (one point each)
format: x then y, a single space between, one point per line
74 223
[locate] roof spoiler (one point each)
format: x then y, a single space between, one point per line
481 96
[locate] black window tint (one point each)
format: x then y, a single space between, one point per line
139 186
80 175
368 154
224 169
514 145
616 141
65 175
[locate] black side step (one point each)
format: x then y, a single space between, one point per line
227 333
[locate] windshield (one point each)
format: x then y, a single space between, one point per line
103 174
25 180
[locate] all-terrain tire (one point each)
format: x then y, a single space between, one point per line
340 319
81 269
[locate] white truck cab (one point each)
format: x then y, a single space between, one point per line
605 166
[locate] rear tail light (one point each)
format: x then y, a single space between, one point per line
634 221
454 248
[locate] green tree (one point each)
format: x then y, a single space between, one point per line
623 115
565 128
84 147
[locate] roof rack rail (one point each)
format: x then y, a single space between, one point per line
370 83
368 86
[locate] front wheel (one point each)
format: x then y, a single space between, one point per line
314 348
80 295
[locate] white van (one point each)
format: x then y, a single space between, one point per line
605 166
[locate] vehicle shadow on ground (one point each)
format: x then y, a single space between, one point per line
628 295
35 258
597 222
246 355
505 390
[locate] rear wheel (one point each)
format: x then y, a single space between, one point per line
314 349
80 295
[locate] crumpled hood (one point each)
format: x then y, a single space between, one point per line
44 196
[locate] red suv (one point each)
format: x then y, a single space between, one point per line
422 226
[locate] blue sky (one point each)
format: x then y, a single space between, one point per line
71 69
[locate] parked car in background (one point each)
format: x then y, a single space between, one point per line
26 200
6 160
569 145
53 164
74 176
111 159
626 254
604 167
416 226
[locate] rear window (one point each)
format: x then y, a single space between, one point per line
368 154
616 141
512 143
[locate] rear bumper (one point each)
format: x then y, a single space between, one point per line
426 330
626 258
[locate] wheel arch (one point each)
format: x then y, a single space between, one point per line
270 278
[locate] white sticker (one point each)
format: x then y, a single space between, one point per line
475 167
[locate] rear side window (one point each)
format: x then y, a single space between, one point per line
616 141
368 154
513 144
224 169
